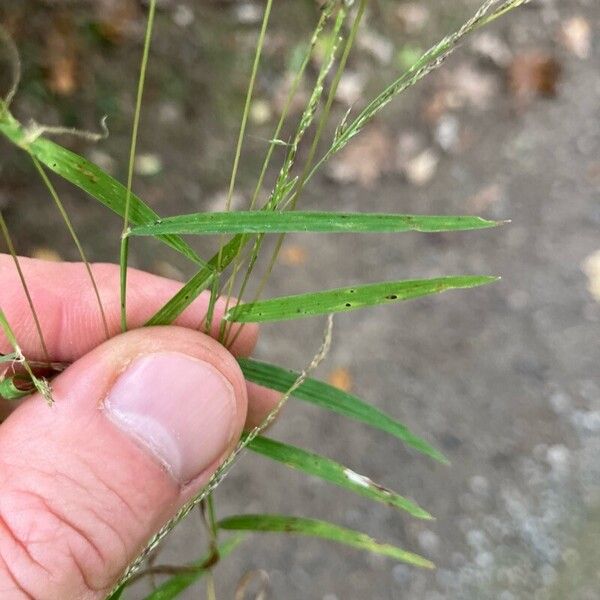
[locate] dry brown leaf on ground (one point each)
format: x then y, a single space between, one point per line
293 255
485 198
413 16
118 19
365 159
576 36
463 87
62 55
44 253
593 172
533 73
340 378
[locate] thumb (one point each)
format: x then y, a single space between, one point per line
139 424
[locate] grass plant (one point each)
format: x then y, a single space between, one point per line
336 30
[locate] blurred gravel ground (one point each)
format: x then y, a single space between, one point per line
504 379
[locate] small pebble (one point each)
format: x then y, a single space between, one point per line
558 457
350 88
169 112
586 420
479 485
560 403
260 112
447 133
421 169
484 560
429 541
248 13
183 15
148 165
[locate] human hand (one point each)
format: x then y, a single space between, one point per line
140 423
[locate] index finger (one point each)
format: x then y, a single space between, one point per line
68 311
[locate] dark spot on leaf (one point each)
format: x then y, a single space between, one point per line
392 297
348 305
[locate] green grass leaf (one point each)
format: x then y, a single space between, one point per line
198 283
333 472
10 391
40 384
286 222
349 298
91 179
118 593
321 529
12 357
178 583
331 398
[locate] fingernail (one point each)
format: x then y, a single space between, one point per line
180 408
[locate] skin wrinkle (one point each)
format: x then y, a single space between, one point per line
73 553
131 513
69 535
22 544
8 531
85 475
82 572
41 475
122 558
16 586
63 520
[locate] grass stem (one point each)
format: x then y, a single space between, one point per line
124 252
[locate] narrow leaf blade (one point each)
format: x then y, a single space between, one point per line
323 530
333 472
198 283
91 179
9 390
302 221
349 298
331 398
